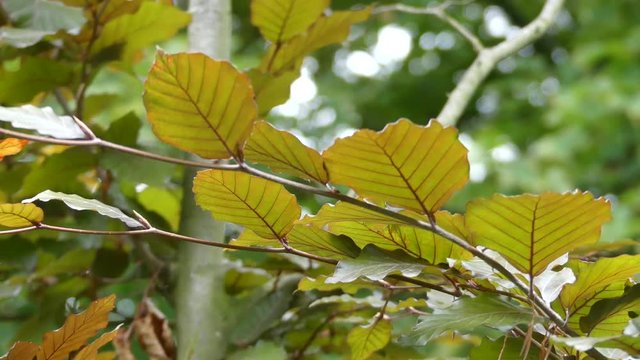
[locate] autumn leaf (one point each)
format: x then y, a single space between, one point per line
90 352
22 350
262 206
280 20
20 215
200 105
153 332
531 231
405 165
77 329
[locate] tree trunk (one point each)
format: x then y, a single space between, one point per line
201 299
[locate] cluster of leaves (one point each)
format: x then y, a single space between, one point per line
505 269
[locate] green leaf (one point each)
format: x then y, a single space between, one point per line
34 76
280 20
79 203
407 303
505 349
416 242
305 238
199 104
284 153
264 207
345 212
74 261
162 201
609 317
327 30
468 314
43 120
320 284
153 22
271 90
59 171
262 350
20 215
365 340
405 165
531 231
603 279
375 264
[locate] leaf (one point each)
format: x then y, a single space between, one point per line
603 279
74 261
79 203
372 301
345 212
375 264
22 350
43 120
90 352
305 238
262 350
365 340
271 90
20 215
327 30
610 317
77 329
153 22
153 332
531 231
199 104
264 207
60 171
320 284
416 242
35 75
404 165
11 146
280 20
504 349
284 153
469 314
407 303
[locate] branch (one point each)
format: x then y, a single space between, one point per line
439 11
488 58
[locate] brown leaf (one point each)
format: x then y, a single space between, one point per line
153 332
11 146
22 350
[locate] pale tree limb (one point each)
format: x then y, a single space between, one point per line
487 59
202 304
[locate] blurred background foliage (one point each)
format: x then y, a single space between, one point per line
561 114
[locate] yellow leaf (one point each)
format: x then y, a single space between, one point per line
77 329
199 104
260 205
342 211
325 31
416 242
22 351
405 165
90 352
271 90
280 20
603 279
20 215
153 22
367 339
531 231
284 153
305 238
11 146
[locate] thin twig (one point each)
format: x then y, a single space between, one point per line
537 343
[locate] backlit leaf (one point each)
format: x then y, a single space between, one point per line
34 76
280 20
152 23
79 203
343 212
603 279
284 153
365 340
22 350
20 215
416 242
531 231
42 120
610 317
90 352
77 329
199 104
468 314
320 284
271 90
375 264
405 165
11 146
327 30
264 207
